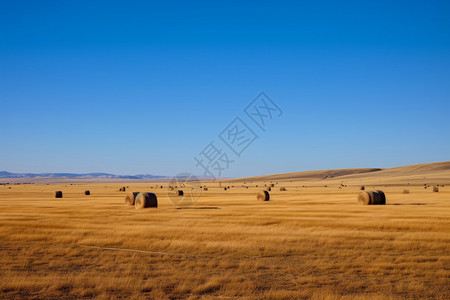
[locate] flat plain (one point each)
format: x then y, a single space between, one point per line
308 242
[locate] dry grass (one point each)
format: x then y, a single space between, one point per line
313 243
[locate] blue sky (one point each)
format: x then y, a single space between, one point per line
142 87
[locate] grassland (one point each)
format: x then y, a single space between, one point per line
307 242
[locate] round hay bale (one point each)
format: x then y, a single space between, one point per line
379 198
180 193
282 189
130 198
87 192
435 189
263 196
372 198
364 198
58 194
144 200
362 188
405 191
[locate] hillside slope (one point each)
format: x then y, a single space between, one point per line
430 173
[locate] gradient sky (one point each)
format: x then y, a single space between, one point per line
133 87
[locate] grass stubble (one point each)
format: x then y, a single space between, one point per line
314 243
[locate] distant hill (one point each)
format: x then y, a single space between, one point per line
4 174
438 172
429 173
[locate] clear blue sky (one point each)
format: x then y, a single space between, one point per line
142 87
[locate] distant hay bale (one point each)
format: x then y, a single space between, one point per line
405 191
362 188
122 189
130 198
180 193
144 200
58 194
282 189
435 189
256 185
372 198
87 192
263 196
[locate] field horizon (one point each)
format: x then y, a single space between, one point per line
415 174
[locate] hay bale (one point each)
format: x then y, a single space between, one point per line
372 198
87 192
282 189
180 193
364 198
130 198
362 188
263 196
405 191
435 189
382 200
58 194
144 200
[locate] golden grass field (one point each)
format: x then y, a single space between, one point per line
310 242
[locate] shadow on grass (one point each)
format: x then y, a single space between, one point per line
408 204
198 207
